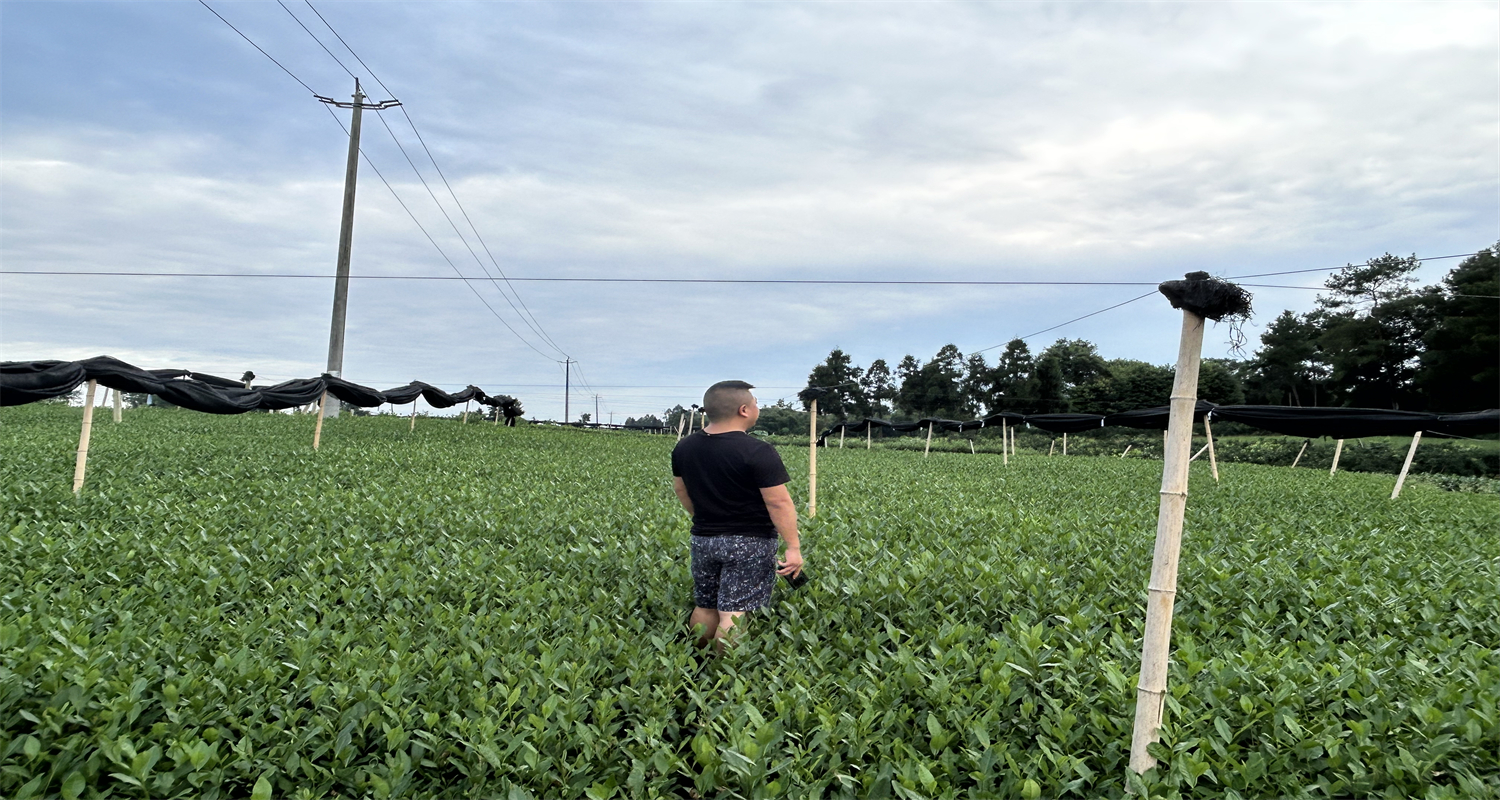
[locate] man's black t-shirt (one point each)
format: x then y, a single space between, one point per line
724 473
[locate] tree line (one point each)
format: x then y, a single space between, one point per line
1374 340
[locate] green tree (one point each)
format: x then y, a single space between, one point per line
1284 367
1009 380
1218 383
1128 385
1047 391
933 389
878 388
1370 324
1460 369
839 374
976 383
1078 359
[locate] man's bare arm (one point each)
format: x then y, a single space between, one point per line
784 517
682 496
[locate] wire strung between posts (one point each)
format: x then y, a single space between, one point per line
257 47
533 323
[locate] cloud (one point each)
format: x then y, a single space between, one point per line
993 141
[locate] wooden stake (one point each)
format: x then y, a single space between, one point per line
841 436
466 412
1201 451
119 412
1410 453
413 416
497 416
1213 463
318 428
1065 444
681 421
1127 450
81 465
928 449
812 459
1052 448
1151 692
1338 450
1305 442
1004 444
971 447
869 432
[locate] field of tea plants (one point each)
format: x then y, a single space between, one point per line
482 612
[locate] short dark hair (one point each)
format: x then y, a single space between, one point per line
724 398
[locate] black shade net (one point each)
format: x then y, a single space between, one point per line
24 382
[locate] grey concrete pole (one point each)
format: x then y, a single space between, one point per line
346 244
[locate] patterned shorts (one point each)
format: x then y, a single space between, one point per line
733 573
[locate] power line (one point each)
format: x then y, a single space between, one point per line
130 274
1330 269
420 227
257 47
533 323
320 42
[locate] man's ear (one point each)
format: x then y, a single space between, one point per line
743 410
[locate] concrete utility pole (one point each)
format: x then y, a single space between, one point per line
596 409
567 387
346 236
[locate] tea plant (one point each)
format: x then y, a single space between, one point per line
473 611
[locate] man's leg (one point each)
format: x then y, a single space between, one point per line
705 623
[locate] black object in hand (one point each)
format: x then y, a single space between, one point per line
797 580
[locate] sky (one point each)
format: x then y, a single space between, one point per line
1093 142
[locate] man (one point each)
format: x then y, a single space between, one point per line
734 486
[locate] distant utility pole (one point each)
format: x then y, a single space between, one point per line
567 387
346 236
596 409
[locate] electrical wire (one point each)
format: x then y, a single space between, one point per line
1070 322
257 47
534 323
438 247
1330 269
770 281
316 39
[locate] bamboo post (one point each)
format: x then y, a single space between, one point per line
1201 451
413 416
869 432
1338 450
1052 448
497 416
318 428
681 420
1213 463
466 412
1065 444
81 465
1151 692
1127 450
1410 453
1004 444
1305 442
119 412
928 449
812 459
841 436
971 448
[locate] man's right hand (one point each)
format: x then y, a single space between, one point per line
792 563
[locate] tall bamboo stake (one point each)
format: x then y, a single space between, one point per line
1305 442
1213 463
1065 444
1410 453
1201 451
81 465
971 447
869 433
841 437
1338 449
1052 448
1151 692
318 428
812 459
1004 444
466 412
119 412
1127 450
928 449
681 421
413 416
497 416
